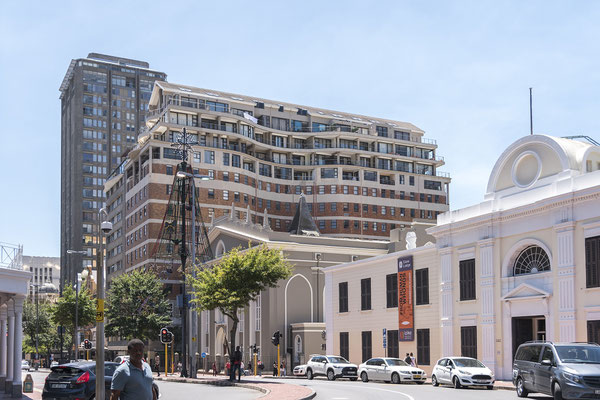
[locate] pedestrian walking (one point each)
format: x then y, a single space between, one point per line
407 359
237 363
250 367
283 371
214 368
413 361
132 380
275 368
261 366
242 369
157 363
227 368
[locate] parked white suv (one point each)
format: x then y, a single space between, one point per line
332 367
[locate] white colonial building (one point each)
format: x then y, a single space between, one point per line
524 264
14 282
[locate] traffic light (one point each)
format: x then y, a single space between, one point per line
164 335
169 337
87 344
275 338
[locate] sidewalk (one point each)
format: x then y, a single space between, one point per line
500 385
272 390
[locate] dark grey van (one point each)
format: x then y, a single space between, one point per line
562 370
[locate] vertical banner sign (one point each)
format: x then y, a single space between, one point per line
406 327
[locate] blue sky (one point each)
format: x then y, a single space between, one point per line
460 70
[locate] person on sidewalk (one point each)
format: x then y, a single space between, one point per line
283 371
407 359
413 361
214 368
132 380
157 363
275 372
250 368
237 362
260 368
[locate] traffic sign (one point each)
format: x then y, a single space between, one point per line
203 355
384 338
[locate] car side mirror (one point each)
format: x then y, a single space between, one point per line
324 361
546 362
383 365
450 366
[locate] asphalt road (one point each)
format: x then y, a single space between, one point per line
346 390
171 390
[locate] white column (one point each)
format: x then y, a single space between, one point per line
10 346
446 309
488 337
17 379
566 283
3 347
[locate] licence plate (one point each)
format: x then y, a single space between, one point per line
351 372
59 385
597 391
416 376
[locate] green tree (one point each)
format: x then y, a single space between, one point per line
137 306
39 323
63 312
239 277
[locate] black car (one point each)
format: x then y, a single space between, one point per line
76 381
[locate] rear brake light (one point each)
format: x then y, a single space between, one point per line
83 378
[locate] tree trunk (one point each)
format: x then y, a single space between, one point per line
232 337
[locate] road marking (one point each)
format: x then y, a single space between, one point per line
375 388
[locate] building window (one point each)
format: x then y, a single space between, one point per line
344 345
343 296
592 262
593 331
367 346
391 290
365 294
422 286
333 224
169 170
392 344
225 195
423 347
322 224
467 279
531 260
468 341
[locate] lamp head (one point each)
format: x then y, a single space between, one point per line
106 227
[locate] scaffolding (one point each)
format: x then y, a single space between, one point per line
11 256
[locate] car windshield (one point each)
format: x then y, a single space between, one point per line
64 372
338 360
396 362
579 354
468 363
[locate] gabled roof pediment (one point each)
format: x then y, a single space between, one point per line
525 291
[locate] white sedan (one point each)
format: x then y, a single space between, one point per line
392 370
300 370
25 365
462 371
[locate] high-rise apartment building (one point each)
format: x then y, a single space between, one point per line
104 100
362 176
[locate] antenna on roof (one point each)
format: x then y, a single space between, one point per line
531 110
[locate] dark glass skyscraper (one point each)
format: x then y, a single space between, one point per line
104 100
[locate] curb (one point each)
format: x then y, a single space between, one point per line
310 396
221 382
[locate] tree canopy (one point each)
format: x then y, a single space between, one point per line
39 324
137 306
238 278
63 312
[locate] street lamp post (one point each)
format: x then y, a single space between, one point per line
76 328
105 228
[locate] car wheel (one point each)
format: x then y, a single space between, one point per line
395 378
331 375
434 381
521 391
309 374
456 382
353 379
557 392
364 377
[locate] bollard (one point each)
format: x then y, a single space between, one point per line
28 384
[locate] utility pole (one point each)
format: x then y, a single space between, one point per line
105 228
531 110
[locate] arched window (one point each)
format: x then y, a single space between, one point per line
531 260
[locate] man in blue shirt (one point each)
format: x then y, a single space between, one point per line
132 380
